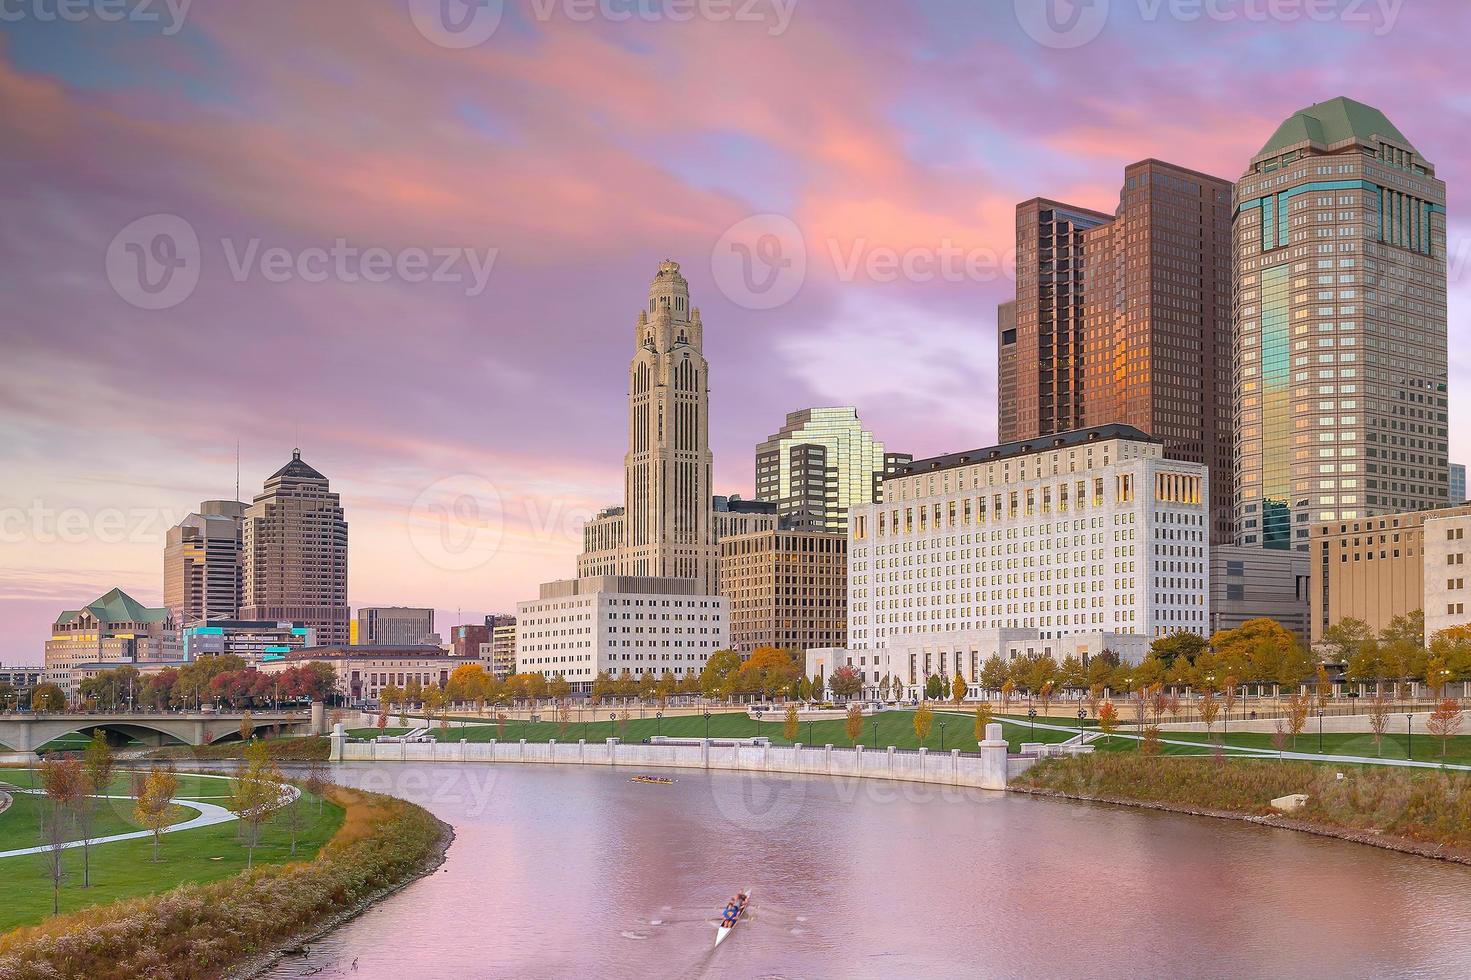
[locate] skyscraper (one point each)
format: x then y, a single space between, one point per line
1340 388
664 529
1156 348
395 625
1458 483
202 564
295 544
1042 368
822 462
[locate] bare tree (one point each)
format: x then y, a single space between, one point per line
97 765
64 785
1379 707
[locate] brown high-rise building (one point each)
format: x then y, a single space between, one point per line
1157 319
295 544
1041 365
1126 319
202 564
786 589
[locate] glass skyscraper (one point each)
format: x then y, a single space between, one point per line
822 462
1340 302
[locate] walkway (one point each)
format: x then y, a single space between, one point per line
1359 760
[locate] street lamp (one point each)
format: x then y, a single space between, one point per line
874 728
658 723
1032 714
1082 714
809 733
1320 731
707 726
942 736
1409 736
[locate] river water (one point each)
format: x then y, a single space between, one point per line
578 872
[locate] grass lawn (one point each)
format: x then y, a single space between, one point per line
884 729
124 869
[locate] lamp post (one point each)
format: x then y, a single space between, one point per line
658 723
1320 731
809 733
707 726
942 736
1409 736
1082 714
1032 714
873 727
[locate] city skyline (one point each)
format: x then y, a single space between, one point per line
382 409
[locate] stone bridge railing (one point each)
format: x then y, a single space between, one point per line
989 768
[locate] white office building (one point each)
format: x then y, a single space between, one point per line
1086 532
581 627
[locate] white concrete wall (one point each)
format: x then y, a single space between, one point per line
985 770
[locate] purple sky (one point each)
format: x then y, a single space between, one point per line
571 148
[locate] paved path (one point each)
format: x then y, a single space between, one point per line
1363 760
210 815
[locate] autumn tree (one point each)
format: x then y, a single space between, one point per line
1297 715
98 763
1444 722
47 697
1344 639
923 719
884 684
993 673
845 682
957 689
1379 707
154 801
316 782
717 678
1108 718
983 718
790 723
1324 685
255 794
1151 744
64 786
854 724
1174 646
1209 709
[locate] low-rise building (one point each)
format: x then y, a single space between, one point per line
250 639
113 629
1250 583
787 589
363 671
20 681
394 625
1376 568
911 659
466 640
581 627
501 653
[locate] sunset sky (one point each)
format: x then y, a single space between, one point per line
469 430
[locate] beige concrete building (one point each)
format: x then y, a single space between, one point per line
1340 298
295 542
786 589
395 625
202 564
1375 569
113 630
364 671
665 528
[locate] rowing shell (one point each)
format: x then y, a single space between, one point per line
722 931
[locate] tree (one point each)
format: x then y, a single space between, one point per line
993 672
1437 675
602 688
1344 639
255 794
1209 709
845 682
923 719
1379 720
1151 745
1007 689
884 685
931 688
1073 675
854 724
98 763
1444 722
154 800
382 721
789 726
767 671
1367 665
64 785
1108 719
1324 686
817 686
247 727
1408 628
957 689
560 687
317 782
1229 694
1170 648
47 697
468 682
983 718
717 679
1297 715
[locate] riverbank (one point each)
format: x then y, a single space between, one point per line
1420 812
218 929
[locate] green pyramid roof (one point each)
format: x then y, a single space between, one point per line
1331 122
117 607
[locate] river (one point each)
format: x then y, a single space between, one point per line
579 872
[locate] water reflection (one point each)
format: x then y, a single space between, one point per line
566 871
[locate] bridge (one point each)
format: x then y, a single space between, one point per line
28 732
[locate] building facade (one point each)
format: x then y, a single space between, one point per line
466 640
736 516
1093 531
786 589
1043 349
364 671
295 542
581 627
394 625
1250 583
665 529
251 640
114 629
821 463
203 564
1457 484
501 654
1340 254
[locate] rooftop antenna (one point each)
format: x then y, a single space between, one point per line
237 470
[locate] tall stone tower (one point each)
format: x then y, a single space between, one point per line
668 529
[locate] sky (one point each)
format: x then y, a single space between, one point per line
412 238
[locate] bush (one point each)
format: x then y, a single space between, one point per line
198 930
